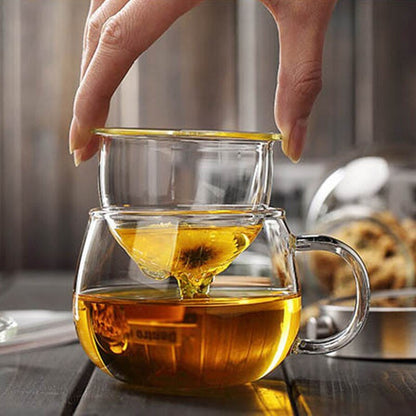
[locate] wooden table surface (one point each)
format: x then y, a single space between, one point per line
61 380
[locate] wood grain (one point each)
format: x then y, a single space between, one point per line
38 290
45 381
57 380
39 382
333 386
106 396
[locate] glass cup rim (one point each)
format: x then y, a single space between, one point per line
208 212
185 134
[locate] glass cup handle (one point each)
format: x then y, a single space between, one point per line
362 297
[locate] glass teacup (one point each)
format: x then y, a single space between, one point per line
183 300
166 168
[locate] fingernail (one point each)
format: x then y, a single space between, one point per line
73 134
78 138
285 144
297 140
77 157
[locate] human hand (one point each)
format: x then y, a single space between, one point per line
302 26
115 35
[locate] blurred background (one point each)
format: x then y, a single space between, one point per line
214 69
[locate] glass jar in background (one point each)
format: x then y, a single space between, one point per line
370 203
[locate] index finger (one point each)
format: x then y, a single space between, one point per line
124 37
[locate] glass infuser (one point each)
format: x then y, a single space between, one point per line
174 296
170 168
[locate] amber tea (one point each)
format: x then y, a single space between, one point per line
192 254
170 344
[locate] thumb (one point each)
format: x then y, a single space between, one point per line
302 25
